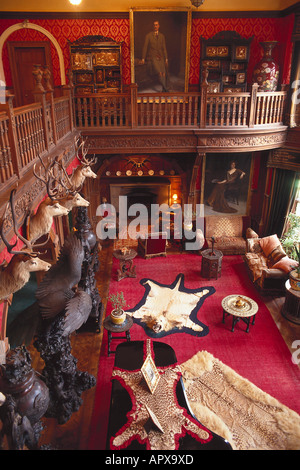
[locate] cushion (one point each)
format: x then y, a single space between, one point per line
268 244
256 263
254 246
276 255
286 264
250 233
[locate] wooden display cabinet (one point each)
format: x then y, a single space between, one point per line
226 56
96 63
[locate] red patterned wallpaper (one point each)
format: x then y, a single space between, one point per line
70 30
262 29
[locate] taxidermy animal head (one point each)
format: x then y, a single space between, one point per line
80 174
84 170
16 273
41 222
69 202
59 184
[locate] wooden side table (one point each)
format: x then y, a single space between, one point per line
126 263
291 306
245 312
113 328
211 263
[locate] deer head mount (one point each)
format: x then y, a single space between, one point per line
84 170
17 272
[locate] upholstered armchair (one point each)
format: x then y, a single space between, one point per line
154 244
267 263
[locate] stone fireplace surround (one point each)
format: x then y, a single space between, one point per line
145 192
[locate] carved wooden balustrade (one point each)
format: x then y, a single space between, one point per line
31 131
35 130
182 110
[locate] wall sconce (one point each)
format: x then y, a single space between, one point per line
75 2
175 202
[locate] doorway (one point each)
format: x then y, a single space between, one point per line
22 56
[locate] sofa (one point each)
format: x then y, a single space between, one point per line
229 233
267 263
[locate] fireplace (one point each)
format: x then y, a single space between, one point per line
142 193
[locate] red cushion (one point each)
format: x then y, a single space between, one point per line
286 264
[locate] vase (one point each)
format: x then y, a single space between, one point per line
266 72
26 400
18 379
294 279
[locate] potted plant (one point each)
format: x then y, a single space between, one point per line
295 273
291 237
291 243
118 302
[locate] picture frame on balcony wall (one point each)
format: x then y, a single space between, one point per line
226 188
240 78
240 53
214 87
149 69
236 67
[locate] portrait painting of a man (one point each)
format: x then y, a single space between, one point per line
160 48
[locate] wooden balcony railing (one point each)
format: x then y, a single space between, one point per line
30 133
33 130
149 110
270 108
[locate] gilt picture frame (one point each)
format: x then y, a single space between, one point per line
150 373
175 26
222 195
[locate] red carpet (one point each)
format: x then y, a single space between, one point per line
260 356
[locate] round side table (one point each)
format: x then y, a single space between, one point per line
113 328
245 312
291 307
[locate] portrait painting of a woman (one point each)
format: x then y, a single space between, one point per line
224 193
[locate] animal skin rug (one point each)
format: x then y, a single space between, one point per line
236 409
166 309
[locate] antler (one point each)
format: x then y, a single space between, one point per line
64 180
84 161
50 179
10 247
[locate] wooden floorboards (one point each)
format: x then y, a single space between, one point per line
74 434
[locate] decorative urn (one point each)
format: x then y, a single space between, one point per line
18 379
266 72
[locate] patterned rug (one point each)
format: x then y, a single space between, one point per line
260 356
